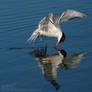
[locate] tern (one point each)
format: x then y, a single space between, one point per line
49 25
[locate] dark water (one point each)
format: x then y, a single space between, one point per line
20 72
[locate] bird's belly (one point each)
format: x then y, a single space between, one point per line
51 33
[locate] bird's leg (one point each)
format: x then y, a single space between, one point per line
39 36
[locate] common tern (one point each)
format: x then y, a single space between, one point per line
49 25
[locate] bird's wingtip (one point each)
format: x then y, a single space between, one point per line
84 15
29 40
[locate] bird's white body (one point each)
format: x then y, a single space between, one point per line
52 31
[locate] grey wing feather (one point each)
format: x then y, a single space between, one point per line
68 15
43 21
43 24
73 60
33 36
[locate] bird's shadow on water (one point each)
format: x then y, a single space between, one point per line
49 63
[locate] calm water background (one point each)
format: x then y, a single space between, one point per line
19 72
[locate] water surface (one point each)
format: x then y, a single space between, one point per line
19 72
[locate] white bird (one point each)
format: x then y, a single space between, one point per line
49 25
50 62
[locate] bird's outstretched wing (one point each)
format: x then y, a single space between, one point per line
33 36
43 24
68 15
43 21
73 60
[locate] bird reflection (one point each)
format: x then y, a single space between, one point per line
49 63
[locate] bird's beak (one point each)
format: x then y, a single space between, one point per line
57 43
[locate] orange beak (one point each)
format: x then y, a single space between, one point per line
57 43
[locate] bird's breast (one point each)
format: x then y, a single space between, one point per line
51 32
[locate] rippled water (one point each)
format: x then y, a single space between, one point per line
20 72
